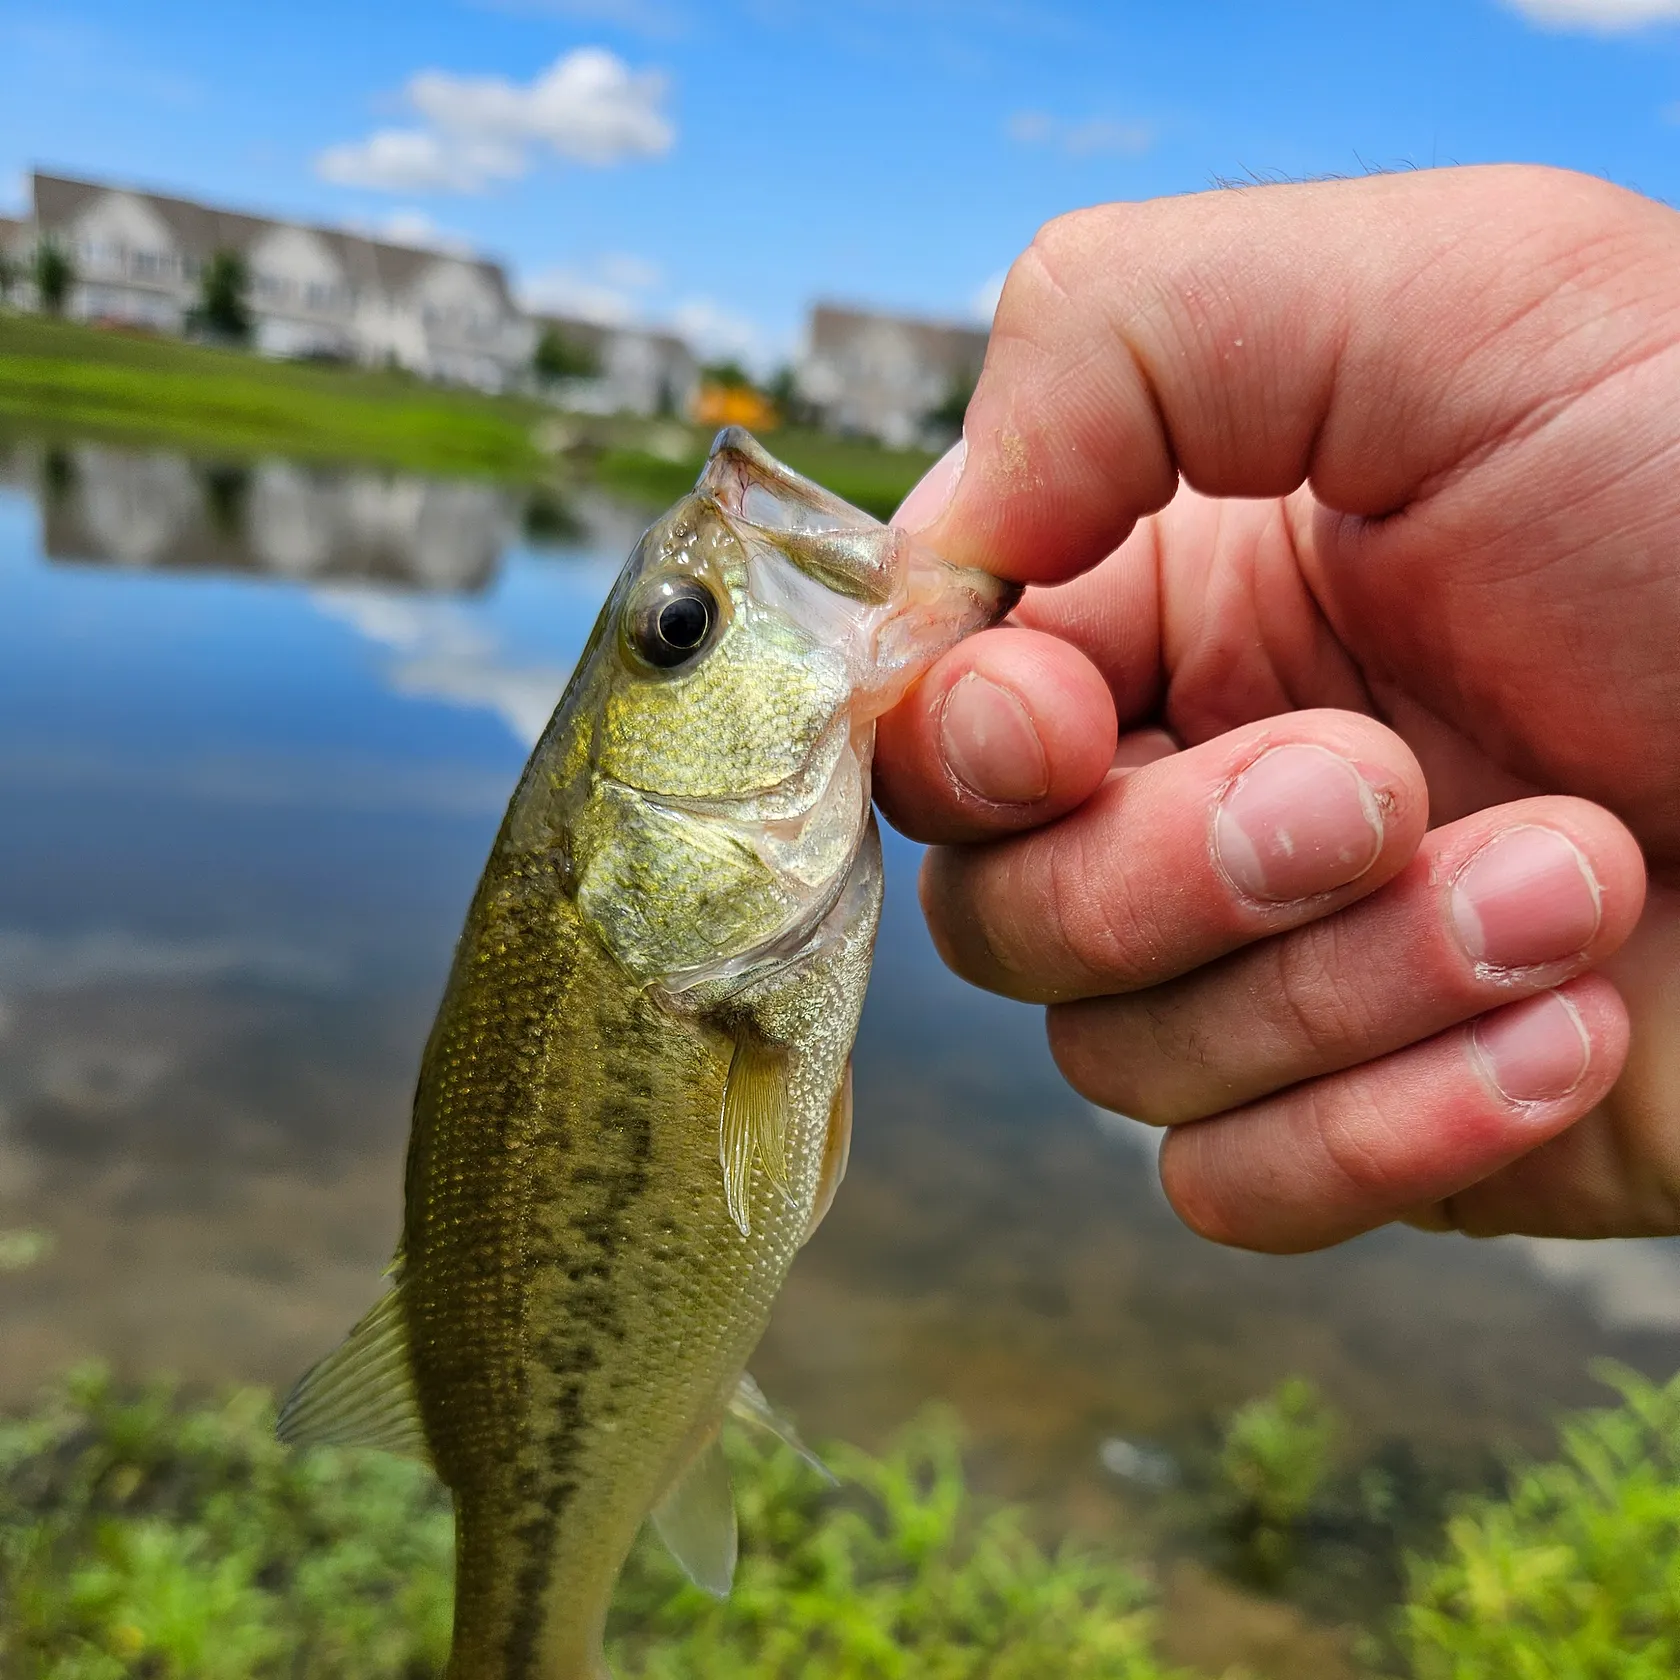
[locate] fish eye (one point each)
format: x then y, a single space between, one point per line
673 622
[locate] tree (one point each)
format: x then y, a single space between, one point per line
948 416
791 402
223 308
730 375
11 271
55 274
560 356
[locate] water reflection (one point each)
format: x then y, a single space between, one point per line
250 765
148 509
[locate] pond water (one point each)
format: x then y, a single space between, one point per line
256 730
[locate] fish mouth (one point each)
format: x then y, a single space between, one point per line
939 604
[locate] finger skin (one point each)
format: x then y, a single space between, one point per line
1388 971
1128 891
1059 690
1327 1160
1320 333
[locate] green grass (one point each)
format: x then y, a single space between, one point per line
62 377
65 379
144 1535
865 474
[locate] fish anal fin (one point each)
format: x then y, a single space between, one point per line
754 1126
362 1393
696 1520
750 1407
837 1151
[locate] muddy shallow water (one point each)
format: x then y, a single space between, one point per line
255 734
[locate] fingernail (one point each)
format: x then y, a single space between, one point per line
931 494
990 743
1527 897
1298 821
1534 1051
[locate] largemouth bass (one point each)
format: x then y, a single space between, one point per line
635 1103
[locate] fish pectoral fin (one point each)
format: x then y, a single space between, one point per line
696 1520
837 1151
750 1407
362 1393
754 1126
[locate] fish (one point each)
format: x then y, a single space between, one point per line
634 1107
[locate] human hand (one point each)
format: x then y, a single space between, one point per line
1373 936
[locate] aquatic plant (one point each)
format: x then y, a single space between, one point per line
1575 1572
1277 1452
144 1534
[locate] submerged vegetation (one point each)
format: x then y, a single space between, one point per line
1575 1571
145 1534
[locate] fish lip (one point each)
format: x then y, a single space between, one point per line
1009 598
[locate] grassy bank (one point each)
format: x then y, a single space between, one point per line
63 380
148 1536
867 475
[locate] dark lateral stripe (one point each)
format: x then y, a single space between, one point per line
593 1244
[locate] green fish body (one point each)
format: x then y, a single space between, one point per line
634 1107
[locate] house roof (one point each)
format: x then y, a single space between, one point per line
942 343
593 335
201 230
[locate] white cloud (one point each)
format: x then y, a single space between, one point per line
608 290
412 160
588 107
413 228
1602 17
983 305
1087 137
565 291
719 334
442 654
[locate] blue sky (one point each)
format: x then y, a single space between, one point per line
721 163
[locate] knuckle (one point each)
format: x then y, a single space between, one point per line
1106 931
1348 1121
1058 254
1100 1048
1313 1004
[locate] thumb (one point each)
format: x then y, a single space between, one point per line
1367 336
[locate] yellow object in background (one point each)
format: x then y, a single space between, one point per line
734 405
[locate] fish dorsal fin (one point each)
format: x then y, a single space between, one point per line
362 1393
751 1408
837 1151
754 1125
696 1520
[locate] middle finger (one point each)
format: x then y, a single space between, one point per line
1495 907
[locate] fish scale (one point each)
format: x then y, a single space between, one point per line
633 1108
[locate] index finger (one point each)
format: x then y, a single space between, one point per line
1364 336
